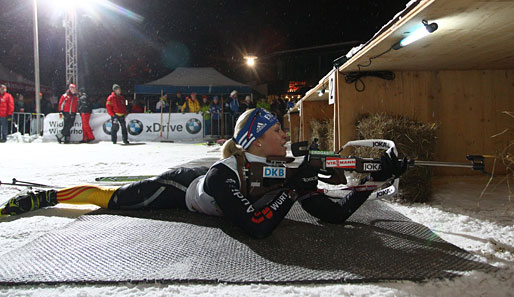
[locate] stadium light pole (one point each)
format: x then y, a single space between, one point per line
70 26
36 69
69 7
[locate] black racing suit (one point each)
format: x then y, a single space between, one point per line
222 183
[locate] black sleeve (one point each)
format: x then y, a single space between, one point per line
325 209
222 184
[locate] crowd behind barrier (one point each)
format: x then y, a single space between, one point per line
213 127
219 114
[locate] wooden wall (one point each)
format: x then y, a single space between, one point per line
293 125
313 110
467 105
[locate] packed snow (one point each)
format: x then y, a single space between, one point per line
485 230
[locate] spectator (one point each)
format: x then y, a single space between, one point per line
291 103
46 105
117 110
264 104
54 101
6 110
68 108
97 103
247 104
19 106
20 120
191 104
177 103
85 109
233 102
278 107
205 109
136 107
162 104
282 105
215 110
231 112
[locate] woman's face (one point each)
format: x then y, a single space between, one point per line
273 142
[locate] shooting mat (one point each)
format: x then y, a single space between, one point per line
170 246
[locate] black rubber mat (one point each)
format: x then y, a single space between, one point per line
376 244
199 162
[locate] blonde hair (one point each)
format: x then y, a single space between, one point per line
230 147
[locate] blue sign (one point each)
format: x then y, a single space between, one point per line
274 172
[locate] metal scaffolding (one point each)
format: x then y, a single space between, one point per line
70 27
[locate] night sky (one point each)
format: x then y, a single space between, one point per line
115 48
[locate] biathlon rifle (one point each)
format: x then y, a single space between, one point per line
262 178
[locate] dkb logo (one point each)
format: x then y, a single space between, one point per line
135 127
193 126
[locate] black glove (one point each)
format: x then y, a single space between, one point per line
390 166
304 179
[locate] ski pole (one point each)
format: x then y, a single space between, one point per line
161 101
20 183
169 117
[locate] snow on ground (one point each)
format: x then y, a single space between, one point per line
486 232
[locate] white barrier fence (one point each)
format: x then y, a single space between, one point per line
140 126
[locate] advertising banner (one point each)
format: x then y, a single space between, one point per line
140 127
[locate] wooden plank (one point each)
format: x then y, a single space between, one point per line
294 126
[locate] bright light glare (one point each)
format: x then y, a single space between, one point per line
62 5
90 5
416 35
250 60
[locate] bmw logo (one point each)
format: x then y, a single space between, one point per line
135 127
193 126
107 127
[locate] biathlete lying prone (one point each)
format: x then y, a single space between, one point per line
222 189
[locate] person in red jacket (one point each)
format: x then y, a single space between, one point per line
117 110
68 105
6 110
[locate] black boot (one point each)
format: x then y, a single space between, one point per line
59 137
66 139
31 200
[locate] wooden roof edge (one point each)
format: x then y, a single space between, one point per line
413 8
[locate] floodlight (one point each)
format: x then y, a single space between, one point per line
416 34
250 60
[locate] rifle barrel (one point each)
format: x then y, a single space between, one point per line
442 164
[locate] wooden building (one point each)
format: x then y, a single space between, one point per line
461 76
